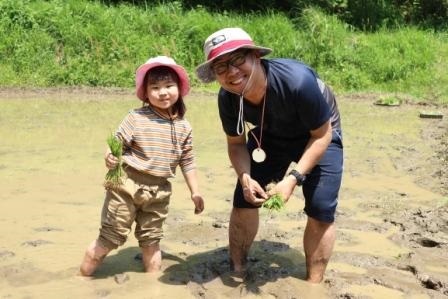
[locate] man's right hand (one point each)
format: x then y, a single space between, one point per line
252 191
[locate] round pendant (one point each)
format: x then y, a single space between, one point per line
258 155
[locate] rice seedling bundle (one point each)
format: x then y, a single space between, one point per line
114 176
275 202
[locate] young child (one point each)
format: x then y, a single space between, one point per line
156 139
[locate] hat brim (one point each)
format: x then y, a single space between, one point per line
205 72
140 74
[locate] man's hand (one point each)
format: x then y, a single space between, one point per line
285 187
252 191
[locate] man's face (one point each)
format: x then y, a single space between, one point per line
233 70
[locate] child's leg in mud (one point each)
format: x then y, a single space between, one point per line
93 257
152 258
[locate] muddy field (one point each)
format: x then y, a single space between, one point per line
392 219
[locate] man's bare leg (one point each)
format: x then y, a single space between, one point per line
93 257
243 228
318 242
152 258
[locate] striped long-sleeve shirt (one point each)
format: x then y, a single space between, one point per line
154 145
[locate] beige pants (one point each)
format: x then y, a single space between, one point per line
142 198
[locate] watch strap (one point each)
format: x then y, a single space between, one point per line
300 178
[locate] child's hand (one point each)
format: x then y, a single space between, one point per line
198 203
111 160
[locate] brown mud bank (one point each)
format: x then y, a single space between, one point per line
392 219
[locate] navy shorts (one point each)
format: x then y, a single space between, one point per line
322 184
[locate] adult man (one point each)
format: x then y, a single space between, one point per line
296 119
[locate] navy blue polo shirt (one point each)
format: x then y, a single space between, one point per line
295 103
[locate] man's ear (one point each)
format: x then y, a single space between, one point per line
257 53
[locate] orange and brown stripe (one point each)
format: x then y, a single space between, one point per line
156 145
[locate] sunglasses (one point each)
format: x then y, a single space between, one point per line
237 60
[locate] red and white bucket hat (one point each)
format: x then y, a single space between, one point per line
184 82
222 42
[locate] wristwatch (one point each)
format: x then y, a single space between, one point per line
300 178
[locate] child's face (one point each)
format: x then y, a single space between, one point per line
162 94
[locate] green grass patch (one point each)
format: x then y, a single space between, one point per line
388 101
71 43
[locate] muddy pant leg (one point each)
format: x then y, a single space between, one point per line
117 217
149 221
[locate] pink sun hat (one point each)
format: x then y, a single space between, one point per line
184 82
222 42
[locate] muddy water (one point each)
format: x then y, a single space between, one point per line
392 218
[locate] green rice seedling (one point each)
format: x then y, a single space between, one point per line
114 176
275 202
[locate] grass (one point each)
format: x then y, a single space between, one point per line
388 101
72 43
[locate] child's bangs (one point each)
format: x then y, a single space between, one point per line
162 73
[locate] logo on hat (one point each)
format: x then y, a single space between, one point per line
219 39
